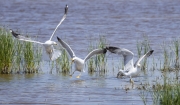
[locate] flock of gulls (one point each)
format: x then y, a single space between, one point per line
130 68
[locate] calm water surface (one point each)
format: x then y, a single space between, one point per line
122 22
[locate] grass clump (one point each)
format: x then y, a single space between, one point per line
176 49
63 62
29 58
99 62
171 56
167 93
7 52
142 48
17 56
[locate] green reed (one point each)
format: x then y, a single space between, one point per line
17 56
91 63
142 48
99 62
167 93
7 51
176 45
63 61
29 63
166 56
32 57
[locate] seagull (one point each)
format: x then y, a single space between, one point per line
53 53
79 63
130 68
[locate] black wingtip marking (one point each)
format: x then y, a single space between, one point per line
104 51
150 52
58 38
111 49
14 34
66 9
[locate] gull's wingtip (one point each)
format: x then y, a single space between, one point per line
58 38
66 9
150 53
111 48
104 50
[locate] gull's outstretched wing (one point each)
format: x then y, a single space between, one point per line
64 16
67 47
128 56
95 52
18 36
54 54
142 57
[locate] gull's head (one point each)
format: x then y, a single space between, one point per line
54 43
138 65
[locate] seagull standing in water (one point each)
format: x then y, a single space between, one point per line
130 68
53 53
79 63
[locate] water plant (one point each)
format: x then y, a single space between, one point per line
166 56
63 62
99 62
7 51
142 48
17 56
175 48
167 93
32 57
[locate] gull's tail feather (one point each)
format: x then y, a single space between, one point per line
55 54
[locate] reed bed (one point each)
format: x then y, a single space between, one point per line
142 48
171 56
63 62
98 63
163 92
7 52
17 56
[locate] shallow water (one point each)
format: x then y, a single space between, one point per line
122 22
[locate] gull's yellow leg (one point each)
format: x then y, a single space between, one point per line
131 81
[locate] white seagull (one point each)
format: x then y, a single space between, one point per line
53 53
79 63
130 68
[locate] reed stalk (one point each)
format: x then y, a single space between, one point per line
7 51
99 62
142 48
17 56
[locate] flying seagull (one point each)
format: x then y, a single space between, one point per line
53 53
130 68
79 63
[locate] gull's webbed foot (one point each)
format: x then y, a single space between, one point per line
78 76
